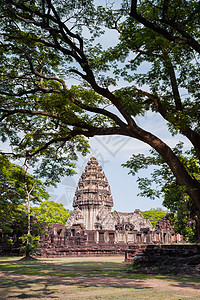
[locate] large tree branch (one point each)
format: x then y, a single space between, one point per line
173 81
89 133
165 8
193 136
64 28
168 35
100 111
73 133
179 171
76 122
145 22
82 60
187 38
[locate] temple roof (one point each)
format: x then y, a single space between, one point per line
93 187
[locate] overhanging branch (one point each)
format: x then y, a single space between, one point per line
165 20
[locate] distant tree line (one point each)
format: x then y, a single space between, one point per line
13 205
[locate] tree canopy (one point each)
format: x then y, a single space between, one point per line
161 183
13 216
44 42
154 215
51 212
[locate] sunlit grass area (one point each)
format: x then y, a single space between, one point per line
77 266
88 278
21 289
67 267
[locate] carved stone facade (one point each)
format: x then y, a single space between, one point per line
93 199
93 229
93 203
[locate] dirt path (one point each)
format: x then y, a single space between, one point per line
190 288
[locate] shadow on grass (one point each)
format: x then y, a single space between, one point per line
49 287
54 287
74 267
66 269
82 274
23 289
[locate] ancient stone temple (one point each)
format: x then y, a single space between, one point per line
93 203
92 199
93 229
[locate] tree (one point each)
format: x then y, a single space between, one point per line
13 217
51 212
31 184
29 245
163 184
154 215
45 41
181 214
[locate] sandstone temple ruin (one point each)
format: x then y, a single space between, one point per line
92 209
94 229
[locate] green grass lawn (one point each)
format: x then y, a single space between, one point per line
88 278
67 267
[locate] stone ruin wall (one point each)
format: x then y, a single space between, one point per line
77 241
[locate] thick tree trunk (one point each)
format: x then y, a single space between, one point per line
29 215
29 227
179 171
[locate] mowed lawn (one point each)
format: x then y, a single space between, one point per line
88 278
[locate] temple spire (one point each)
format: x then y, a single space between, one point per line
93 186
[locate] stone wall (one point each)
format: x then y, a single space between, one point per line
176 251
165 259
60 241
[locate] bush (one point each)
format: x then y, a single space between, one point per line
29 244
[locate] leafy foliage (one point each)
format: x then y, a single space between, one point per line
12 184
46 42
29 244
154 216
16 224
162 183
13 216
51 212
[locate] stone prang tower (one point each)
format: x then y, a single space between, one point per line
92 195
